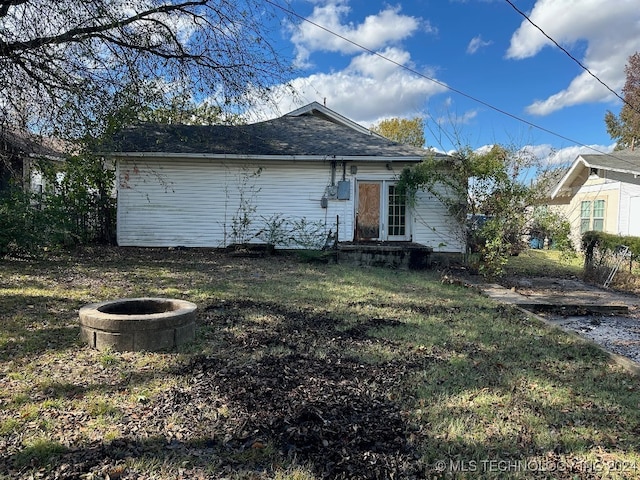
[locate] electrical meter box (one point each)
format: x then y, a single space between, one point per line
344 190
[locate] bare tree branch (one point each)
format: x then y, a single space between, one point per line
80 34
62 58
5 5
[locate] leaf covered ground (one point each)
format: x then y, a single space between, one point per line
299 371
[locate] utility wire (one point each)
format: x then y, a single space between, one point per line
570 55
600 189
442 84
459 92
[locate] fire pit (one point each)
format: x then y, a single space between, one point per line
137 324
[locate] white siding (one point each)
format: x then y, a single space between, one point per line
629 219
194 203
433 226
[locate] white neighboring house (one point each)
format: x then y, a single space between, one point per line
211 186
601 192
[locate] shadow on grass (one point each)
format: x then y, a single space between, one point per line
33 325
382 388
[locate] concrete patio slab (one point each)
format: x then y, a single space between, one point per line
579 309
563 297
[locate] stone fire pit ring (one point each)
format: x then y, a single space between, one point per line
138 324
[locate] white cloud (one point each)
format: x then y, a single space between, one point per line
566 156
380 66
611 33
371 87
368 90
374 32
476 44
551 157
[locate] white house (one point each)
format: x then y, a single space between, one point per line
313 169
601 192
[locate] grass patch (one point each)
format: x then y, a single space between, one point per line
39 452
545 263
302 371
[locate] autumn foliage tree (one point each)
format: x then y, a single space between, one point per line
625 127
402 130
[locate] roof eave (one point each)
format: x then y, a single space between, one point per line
571 173
290 158
613 169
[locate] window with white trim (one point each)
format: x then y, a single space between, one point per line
592 215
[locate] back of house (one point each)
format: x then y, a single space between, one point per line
293 182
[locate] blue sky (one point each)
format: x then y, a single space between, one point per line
483 48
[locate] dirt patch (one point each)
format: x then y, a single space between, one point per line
330 410
569 290
620 335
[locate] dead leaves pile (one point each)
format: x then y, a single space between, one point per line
288 391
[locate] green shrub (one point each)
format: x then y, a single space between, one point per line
23 226
599 244
601 248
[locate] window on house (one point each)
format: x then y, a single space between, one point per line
397 212
598 215
592 216
585 217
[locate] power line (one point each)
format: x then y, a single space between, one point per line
570 55
459 92
601 188
442 84
488 105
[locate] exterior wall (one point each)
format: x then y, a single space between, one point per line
621 193
629 213
594 190
203 202
433 226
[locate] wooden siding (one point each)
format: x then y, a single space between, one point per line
195 203
609 192
434 227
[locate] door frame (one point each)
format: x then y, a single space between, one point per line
383 211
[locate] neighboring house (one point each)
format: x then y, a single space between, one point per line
601 192
19 152
212 186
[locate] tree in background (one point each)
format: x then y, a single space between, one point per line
625 128
63 60
183 110
402 130
485 191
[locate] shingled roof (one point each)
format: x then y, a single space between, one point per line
625 161
622 161
311 133
21 142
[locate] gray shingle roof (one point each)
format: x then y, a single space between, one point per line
303 135
23 142
624 161
621 161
